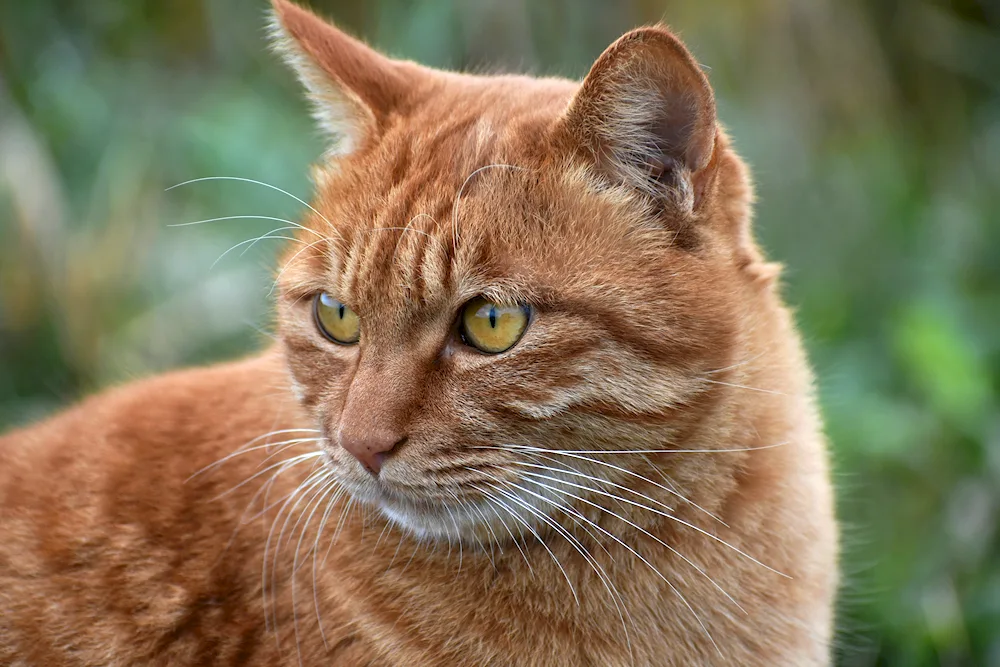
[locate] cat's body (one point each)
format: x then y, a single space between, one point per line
640 479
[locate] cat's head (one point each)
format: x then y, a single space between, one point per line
501 277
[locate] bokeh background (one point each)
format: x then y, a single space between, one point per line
873 128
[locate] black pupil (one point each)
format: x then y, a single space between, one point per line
340 311
493 317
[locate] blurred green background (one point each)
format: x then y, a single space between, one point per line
873 128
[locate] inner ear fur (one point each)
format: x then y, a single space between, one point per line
352 87
646 115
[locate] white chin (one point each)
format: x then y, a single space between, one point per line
424 524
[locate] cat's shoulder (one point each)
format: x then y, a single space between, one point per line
175 411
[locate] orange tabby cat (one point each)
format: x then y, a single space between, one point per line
535 401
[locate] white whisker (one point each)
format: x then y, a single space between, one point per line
246 450
637 555
685 523
746 361
559 530
330 504
621 518
396 552
406 228
475 537
254 241
316 501
385 527
341 522
292 259
513 539
458 197
458 538
602 575
575 455
254 182
293 461
743 386
302 489
572 471
651 451
294 225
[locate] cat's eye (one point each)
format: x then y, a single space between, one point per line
491 327
336 321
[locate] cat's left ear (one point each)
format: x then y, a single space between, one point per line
352 87
646 114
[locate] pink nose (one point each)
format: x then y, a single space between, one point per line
370 448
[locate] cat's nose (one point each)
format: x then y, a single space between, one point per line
370 448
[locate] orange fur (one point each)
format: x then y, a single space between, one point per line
526 516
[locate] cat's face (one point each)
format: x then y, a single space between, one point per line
483 297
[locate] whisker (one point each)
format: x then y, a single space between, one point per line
634 525
640 557
246 450
242 521
749 360
300 490
650 451
282 432
571 471
685 523
513 539
330 504
406 228
385 527
416 547
601 573
743 386
458 197
458 537
341 522
253 242
542 450
290 462
266 490
552 524
475 537
318 498
576 544
294 225
255 182
292 259
486 522
330 484
396 552
288 444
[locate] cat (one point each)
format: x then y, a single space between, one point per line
534 400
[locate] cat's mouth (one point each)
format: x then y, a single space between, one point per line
427 509
424 513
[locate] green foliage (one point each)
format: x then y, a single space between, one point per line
873 129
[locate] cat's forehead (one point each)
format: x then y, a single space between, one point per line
451 205
439 231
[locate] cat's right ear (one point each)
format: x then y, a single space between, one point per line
352 87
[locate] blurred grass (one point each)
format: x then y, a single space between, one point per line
873 129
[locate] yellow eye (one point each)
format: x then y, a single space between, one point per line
337 322
493 328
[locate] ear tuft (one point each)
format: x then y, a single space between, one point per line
647 115
352 88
